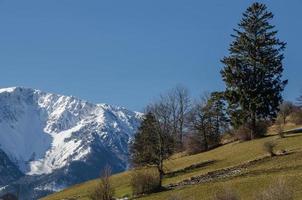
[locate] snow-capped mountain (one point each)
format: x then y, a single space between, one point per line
61 140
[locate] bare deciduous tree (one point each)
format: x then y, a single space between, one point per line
286 108
184 103
198 121
171 110
104 189
208 119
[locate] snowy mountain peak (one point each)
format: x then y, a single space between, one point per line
42 132
10 89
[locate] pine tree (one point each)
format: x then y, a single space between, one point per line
253 70
149 147
145 148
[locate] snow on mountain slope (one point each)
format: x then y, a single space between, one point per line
42 132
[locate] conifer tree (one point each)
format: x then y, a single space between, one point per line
148 147
253 70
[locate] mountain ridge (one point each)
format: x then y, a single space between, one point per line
44 134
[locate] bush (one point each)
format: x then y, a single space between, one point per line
193 144
214 140
280 130
228 137
296 117
144 181
261 128
280 190
243 133
226 194
269 147
104 190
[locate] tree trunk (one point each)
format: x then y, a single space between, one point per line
161 159
161 173
206 145
253 128
181 134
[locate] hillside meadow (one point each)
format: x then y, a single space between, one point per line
251 179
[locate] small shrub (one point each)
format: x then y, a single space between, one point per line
228 137
144 181
193 144
243 133
296 117
226 194
214 140
104 190
269 147
280 190
261 128
280 130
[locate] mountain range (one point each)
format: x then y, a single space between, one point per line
50 141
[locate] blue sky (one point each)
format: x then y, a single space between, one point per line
128 52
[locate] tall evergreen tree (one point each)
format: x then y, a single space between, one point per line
145 147
253 70
150 145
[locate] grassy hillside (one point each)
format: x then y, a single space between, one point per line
250 178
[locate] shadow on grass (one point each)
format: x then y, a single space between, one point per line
190 168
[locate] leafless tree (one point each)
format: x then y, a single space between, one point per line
286 108
172 109
198 121
208 119
104 189
184 103
299 100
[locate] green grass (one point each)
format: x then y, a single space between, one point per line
81 191
253 179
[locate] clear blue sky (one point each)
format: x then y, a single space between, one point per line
127 52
